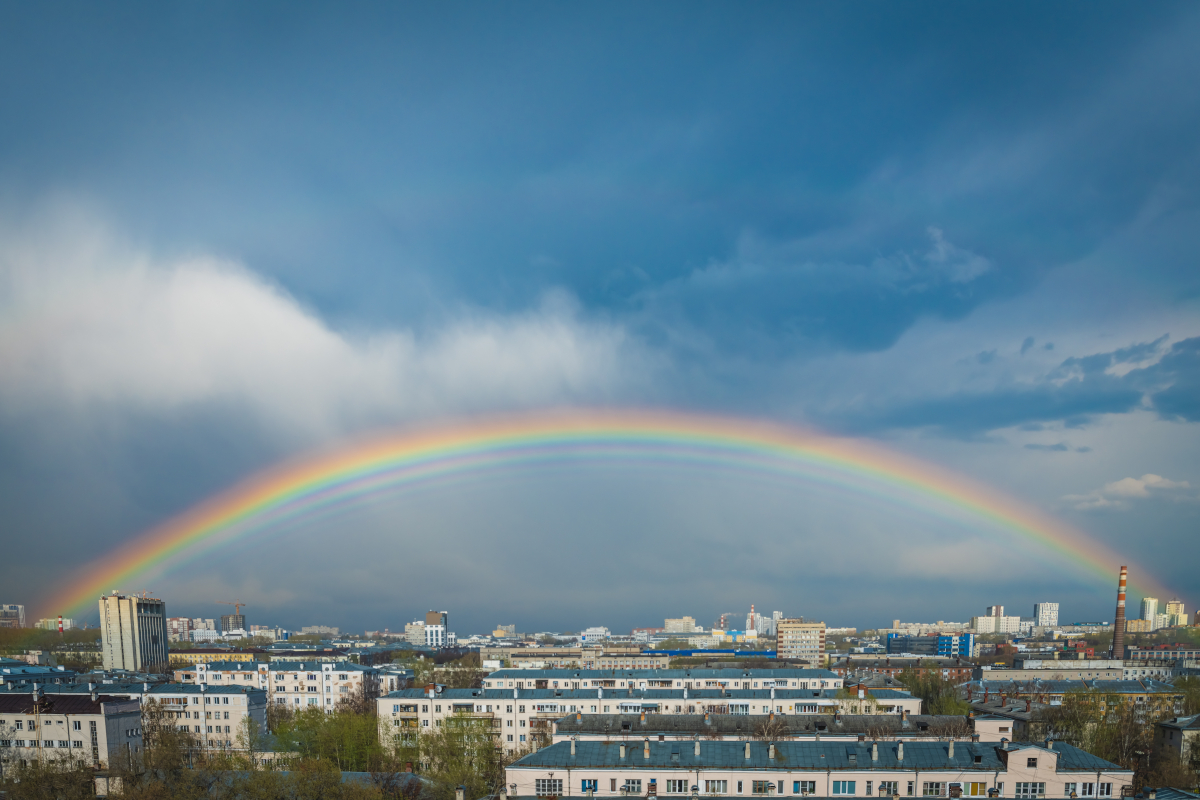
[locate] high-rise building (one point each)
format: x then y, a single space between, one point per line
55 623
1045 614
179 629
680 625
233 622
437 618
1176 613
995 611
133 632
796 638
414 633
12 616
1149 608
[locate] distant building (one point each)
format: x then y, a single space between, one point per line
133 631
233 622
1045 615
1176 613
435 635
1149 608
594 634
680 625
52 624
995 611
505 631
1182 736
798 639
1138 626
414 633
199 624
437 618
179 629
319 630
12 616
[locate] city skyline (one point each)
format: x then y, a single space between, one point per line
963 239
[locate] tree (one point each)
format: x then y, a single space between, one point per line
938 695
462 751
770 729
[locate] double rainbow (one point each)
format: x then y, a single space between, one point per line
357 473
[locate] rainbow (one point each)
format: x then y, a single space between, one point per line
365 470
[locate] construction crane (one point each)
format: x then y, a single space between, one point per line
237 605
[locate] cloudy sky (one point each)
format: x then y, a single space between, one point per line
232 234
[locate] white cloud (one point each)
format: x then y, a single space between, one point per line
90 323
1115 496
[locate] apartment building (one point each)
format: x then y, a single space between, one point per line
97 729
821 769
20 673
1181 735
952 669
208 655
680 625
663 679
133 632
12 615
608 657
217 716
1045 614
292 683
521 718
838 727
1150 694
795 638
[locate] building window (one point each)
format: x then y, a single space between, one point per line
592 785
888 788
976 789
843 787
868 788
676 787
1030 789
1105 790
933 789
761 787
910 788
804 787
548 787
522 737
633 786
712 787
1031 763
1069 789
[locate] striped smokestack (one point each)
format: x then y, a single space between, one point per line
1118 645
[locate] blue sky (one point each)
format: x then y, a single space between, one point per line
231 234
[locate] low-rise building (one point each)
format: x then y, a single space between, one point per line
205 655
292 683
99 730
781 727
1154 696
685 678
955 669
20 673
821 769
522 717
1181 735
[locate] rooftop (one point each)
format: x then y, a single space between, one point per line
788 725
801 755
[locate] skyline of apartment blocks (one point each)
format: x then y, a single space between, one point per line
133 632
1045 614
12 615
796 638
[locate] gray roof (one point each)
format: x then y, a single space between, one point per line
1191 723
637 725
1038 686
648 695
665 674
800 755
56 703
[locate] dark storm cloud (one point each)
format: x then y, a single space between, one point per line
1071 394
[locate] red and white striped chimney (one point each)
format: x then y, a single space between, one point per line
1118 644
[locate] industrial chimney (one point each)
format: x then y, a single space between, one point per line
1118 644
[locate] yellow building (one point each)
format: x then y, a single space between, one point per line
209 655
